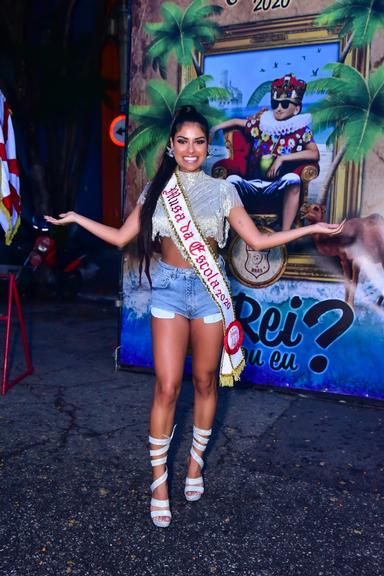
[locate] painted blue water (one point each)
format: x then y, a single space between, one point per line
352 366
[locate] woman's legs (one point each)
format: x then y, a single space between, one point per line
170 340
206 342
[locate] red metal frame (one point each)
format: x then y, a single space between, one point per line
13 297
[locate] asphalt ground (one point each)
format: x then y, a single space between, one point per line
294 485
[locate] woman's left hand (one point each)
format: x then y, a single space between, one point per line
329 229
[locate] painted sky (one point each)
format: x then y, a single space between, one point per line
247 70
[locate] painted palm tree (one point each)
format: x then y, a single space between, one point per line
353 109
150 137
359 20
259 93
181 34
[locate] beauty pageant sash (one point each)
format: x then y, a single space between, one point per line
193 245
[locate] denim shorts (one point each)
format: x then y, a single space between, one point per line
180 291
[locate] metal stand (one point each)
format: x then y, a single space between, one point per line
13 297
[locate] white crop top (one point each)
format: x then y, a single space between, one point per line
211 200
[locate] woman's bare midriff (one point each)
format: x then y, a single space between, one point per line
170 254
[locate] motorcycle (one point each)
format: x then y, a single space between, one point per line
51 270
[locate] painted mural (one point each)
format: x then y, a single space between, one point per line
312 311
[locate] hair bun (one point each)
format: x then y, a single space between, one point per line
188 114
186 109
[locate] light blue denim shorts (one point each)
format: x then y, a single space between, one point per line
180 291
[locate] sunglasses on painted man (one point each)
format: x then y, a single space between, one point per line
283 103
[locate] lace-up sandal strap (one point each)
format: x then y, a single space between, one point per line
194 485
155 461
200 443
160 504
162 516
164 443
159 480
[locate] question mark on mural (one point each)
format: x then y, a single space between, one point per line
319 362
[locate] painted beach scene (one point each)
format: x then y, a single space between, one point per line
247 77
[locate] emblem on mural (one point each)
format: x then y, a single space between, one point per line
256 268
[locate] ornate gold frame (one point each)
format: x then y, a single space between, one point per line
347 187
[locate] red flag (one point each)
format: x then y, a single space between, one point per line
9 175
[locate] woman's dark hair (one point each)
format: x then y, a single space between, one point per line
163 174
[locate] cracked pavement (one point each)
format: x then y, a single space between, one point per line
294 484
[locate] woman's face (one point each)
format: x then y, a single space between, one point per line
190 147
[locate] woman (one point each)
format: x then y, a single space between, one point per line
190 213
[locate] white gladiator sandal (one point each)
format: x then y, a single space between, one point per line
165 511
196 485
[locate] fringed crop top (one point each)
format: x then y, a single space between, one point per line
211 200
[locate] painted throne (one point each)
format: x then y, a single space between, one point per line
268 208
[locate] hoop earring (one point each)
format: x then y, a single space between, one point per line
209 150
169 152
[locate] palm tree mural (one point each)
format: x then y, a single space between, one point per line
259 93
359 21
153 120
181 34
353 108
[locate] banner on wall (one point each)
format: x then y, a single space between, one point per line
312 311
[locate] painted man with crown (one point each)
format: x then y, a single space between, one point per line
279 137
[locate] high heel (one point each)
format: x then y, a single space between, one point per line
165 512
196 485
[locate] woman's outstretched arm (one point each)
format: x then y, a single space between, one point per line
116 236
243 224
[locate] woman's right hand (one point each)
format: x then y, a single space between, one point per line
64 218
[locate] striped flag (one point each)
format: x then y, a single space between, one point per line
9 175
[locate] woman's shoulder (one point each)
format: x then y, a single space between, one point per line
221 193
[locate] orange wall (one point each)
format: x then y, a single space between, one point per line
111 154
